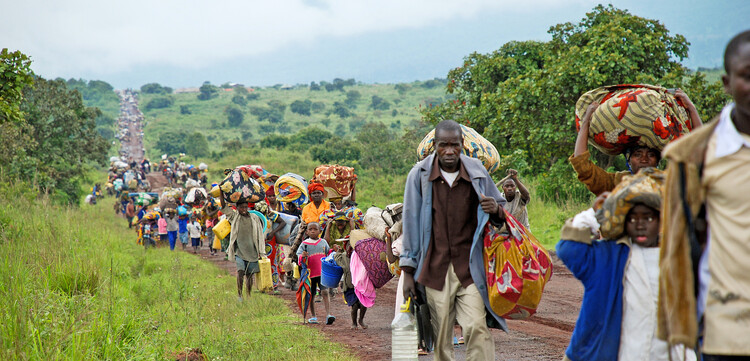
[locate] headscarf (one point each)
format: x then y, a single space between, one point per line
645 188
270 191
316 187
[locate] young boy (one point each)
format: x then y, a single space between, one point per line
194 230
311 252
517 196
246 243
620 275
706 220
172 227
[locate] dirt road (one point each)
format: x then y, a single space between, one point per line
544 336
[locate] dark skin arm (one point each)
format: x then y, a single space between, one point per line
583 134
388 250
695 119
281 224
513 174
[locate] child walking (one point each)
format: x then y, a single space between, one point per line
172 227
162 224
194 230
182 221
311 252
342 259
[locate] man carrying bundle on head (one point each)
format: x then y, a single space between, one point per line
627 141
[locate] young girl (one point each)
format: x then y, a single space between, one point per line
311 252
620 274
342 259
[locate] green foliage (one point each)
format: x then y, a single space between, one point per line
185 110
159 103
235 117
59 140
310 136
402 88
15 75
208 91
232 145
560 184
196 145
241 90
499 94
301 107
239 99
318 107
274 141
342 110
336 150
253 96
155 88
379 103
384 151
352 97
433 83
314 86
172 142
272 115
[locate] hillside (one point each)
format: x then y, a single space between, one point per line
398 108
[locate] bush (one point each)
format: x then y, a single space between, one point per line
318 107
341 110
560 184
232 145
335 150
196 145
155 88
301 107
252 96
239 100
379 103
352 97
159 103
311 136
274 141
234 116
185 110
208 91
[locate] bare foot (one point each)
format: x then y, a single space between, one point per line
354 327
364 327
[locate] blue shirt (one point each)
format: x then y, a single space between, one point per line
182 222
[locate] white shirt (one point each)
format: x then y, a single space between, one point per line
449 177
640 294
194 229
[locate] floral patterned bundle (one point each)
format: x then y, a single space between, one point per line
632 114
239 186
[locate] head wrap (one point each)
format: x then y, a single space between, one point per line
316 187
270 191
645 188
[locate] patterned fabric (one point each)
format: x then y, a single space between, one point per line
272 254
238 186
303 291
475 146
517 267
267 181
371 252
338 180
632 114
644 188
292 188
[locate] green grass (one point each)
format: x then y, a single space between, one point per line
75 286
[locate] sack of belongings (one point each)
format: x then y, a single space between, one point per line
337 180
632 114
475 146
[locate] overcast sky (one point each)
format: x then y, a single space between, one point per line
181 43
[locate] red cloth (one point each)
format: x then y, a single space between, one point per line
316 187
270 191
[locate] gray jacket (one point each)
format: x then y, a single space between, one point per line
417 222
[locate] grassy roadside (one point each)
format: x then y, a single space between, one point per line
74 286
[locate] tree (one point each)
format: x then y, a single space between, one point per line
253 96
196 145
311 136
208 91
318 107
172 142
185 110
239 100
378 103
154 88
241 90
301 107
500 94
159 103
352 97
274 141
63 142
314 86
335 150
385 150
234 116
341 110
402 88
15 75
232 145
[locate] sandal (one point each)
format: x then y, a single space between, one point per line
461 340
330 319
312 320
421 351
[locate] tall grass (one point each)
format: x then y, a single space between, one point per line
75 286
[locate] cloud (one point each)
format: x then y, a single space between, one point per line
77 36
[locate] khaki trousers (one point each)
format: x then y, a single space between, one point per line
454 302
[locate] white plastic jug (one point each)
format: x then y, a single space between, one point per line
404 337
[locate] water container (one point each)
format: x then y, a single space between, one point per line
404 339
330 272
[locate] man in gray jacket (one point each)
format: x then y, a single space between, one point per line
448 200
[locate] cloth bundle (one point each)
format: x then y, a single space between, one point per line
203 166
632 114
644 187
291 188
475 146
239 186
196 196
143 199
371 252
374 222
337 180
517 268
